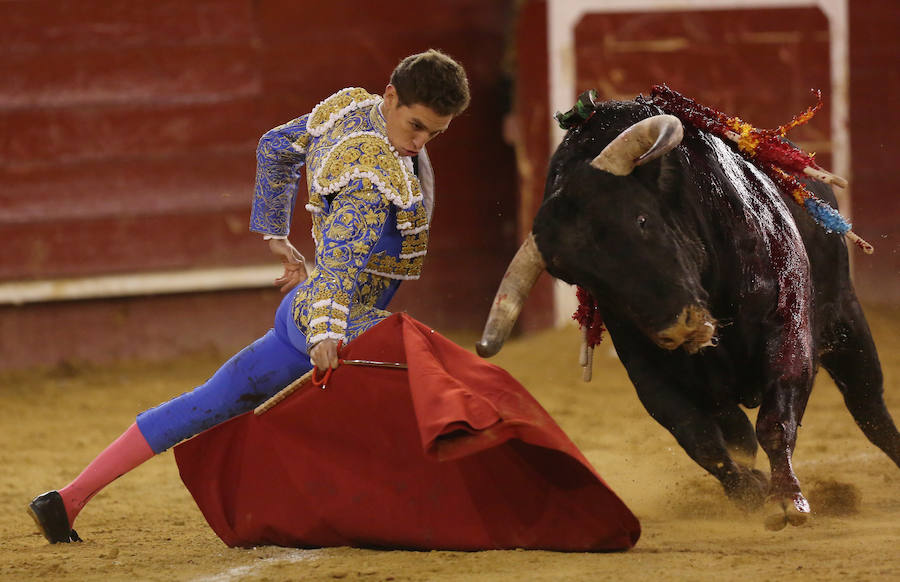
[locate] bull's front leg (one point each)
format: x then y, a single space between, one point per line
776 429
789 382
675 397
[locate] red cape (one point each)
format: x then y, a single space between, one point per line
452 454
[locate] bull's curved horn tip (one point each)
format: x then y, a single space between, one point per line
486 349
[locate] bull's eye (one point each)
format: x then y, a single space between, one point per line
642 221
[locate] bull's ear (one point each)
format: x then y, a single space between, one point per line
561 207
669 179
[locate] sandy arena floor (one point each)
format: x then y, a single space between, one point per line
145 526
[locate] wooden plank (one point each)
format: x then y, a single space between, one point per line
752 64
874 118
136 244
278 21
62 26
145 328
39 138
104 76
128 187
530 134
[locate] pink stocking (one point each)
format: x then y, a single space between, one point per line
124 454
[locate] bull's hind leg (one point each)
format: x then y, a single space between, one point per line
739 434
740 438
852 361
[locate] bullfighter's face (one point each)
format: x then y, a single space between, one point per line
410 127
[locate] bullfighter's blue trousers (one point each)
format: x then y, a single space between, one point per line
249 378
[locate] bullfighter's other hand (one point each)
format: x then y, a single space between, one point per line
295 271
325 354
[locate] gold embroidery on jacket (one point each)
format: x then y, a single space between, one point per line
354 177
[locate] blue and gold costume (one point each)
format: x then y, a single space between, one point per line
370 216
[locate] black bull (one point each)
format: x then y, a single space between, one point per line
716 289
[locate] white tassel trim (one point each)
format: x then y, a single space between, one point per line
392 275
409 231
328 123
412 255
356 174
326 320
330 304
324 336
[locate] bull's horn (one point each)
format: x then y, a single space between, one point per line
517 282
644 141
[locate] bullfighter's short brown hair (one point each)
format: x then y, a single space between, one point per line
432 79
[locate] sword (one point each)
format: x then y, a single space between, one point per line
311 375
374 364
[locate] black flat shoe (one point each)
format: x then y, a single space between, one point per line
49 514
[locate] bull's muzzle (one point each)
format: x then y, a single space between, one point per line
694 328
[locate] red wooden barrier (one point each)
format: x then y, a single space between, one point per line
129 134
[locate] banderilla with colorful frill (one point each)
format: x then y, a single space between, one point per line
780 160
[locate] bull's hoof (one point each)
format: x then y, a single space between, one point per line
780 512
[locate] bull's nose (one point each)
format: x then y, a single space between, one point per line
694 328
671 338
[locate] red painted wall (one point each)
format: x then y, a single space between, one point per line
129 133
874 119
527 129
758 64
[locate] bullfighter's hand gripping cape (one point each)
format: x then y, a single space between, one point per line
451 453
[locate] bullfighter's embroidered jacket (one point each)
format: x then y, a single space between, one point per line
370 211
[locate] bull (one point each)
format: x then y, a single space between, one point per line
716 292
